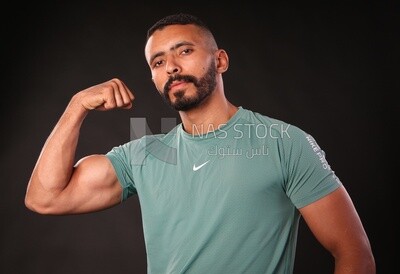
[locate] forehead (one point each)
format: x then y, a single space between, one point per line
164 39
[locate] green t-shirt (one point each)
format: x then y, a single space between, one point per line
226 201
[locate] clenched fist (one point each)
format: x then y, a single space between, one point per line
105 96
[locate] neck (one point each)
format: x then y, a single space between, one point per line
209 116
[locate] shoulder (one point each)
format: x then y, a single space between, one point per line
276 127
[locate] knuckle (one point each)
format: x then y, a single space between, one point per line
116 81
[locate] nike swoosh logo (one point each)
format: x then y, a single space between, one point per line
195 168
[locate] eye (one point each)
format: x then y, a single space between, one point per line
186 51
157 63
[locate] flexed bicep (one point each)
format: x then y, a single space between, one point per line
56 186
93 186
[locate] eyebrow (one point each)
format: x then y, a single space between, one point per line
174 47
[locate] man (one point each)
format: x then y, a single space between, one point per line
223 191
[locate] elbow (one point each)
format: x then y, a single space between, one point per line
32 205
38 206
357 260
40 200
368 258
370 264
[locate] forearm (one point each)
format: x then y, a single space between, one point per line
55 164
359 265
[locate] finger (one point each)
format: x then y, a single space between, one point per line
128 92
118 97
124 94
126 99
120 93
109 95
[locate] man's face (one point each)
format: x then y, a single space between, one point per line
204 87
182 65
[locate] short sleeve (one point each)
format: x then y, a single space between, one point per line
308 176
120 159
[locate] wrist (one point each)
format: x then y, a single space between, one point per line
76 108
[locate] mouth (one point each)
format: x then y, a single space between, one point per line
176 85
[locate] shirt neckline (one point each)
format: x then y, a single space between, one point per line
220 130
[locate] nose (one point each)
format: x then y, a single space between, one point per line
172 66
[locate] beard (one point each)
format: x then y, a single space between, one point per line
204 88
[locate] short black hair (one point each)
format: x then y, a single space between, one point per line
177 19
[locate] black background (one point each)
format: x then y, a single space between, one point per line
327 68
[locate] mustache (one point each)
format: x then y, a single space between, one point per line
182 78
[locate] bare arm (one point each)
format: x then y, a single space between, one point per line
335 223
57 186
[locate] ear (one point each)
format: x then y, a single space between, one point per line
222 60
